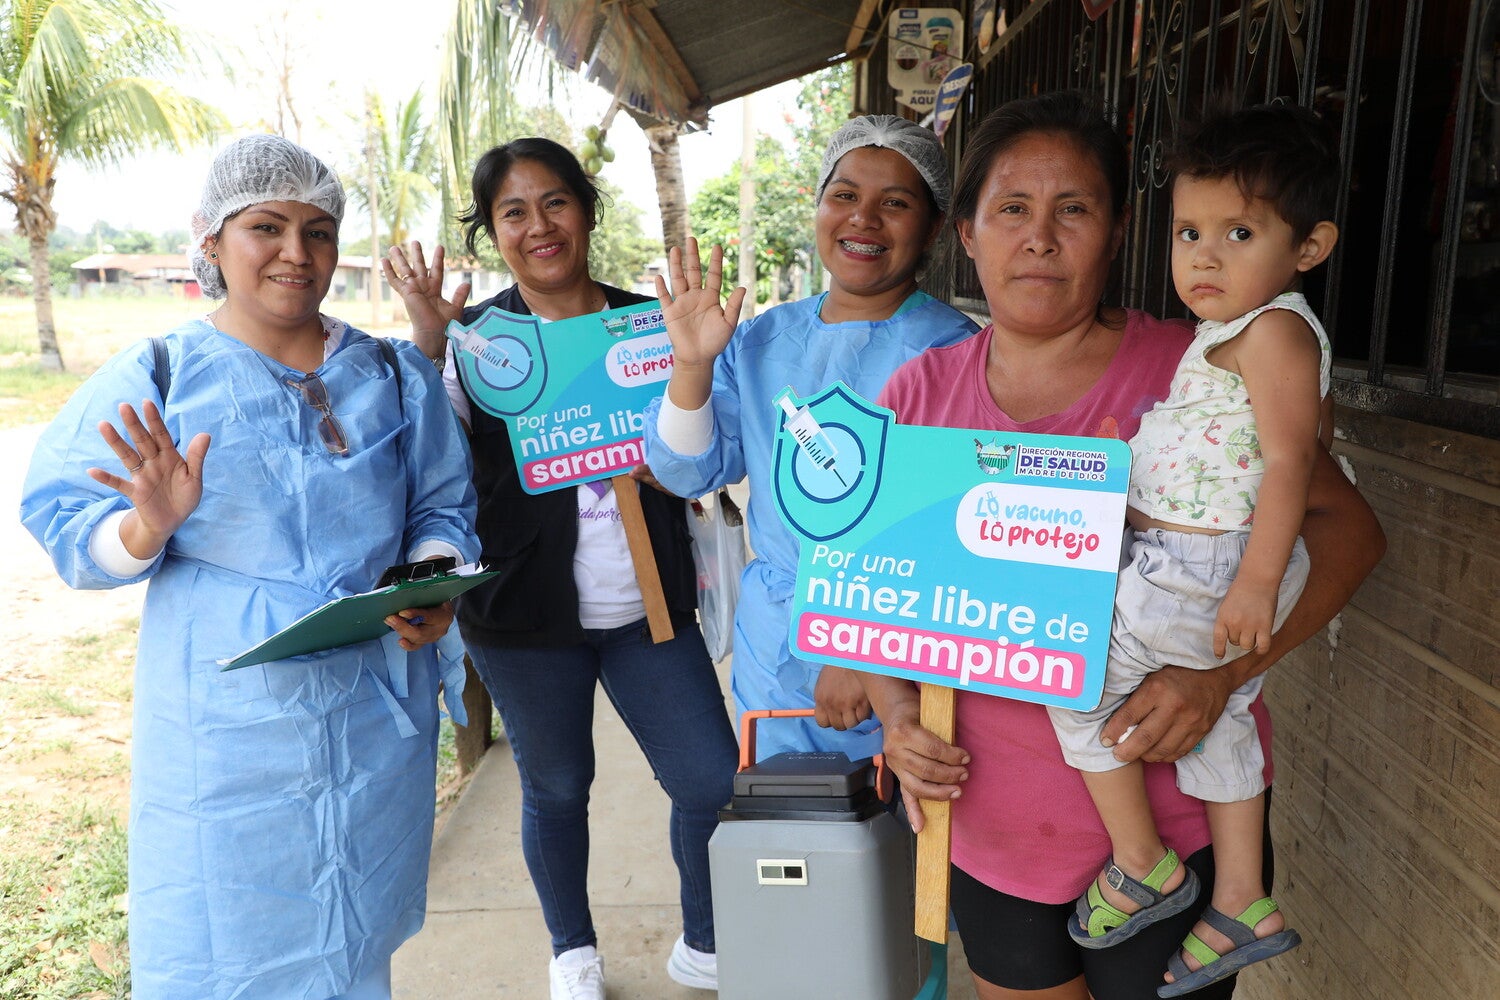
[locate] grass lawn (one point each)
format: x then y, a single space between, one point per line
64 752
90 331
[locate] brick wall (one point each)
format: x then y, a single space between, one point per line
1387 799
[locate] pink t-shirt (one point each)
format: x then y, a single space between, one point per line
1025 824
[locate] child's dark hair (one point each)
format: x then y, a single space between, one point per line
1280 153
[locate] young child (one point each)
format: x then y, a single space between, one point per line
1218 488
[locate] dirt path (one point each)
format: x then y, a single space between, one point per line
65 676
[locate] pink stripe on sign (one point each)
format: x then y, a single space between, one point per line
977 664
579 466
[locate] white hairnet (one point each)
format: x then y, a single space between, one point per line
920 147
250 171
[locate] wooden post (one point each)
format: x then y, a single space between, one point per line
629 500
473 740
933 842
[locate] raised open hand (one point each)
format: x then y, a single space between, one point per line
421 291
698 323
162 484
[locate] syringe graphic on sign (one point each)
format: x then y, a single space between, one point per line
482 349
827 458
811 438
501 359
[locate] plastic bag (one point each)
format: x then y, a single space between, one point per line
718 533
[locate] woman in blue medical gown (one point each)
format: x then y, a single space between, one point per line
281 814
882 191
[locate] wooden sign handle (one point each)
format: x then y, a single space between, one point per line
933 843
628 498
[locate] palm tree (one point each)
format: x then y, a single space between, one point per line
474 99
476 110
81 82
671 189
405 161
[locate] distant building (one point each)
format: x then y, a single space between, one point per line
154 273
171 274
645 282
351 282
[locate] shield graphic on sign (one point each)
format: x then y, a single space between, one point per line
501 360
829 458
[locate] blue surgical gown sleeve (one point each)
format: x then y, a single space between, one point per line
724 460
60 503
440 501
440 483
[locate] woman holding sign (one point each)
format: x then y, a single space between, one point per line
882 192
567 613
1041 208
280 814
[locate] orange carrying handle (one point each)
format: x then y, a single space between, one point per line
883 781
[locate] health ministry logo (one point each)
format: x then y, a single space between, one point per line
633 323
827 463
993 457
1062 463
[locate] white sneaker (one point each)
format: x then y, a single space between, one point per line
577 975
691 967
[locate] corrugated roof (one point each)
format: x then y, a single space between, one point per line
675 59
733 49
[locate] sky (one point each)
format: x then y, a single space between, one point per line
344 47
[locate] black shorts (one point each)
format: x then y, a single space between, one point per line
1022 945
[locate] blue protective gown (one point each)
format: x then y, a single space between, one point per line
788 345
281 814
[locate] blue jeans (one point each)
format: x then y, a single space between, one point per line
669 698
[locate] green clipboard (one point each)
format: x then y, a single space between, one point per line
357 618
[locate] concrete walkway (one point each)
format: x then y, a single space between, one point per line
484 936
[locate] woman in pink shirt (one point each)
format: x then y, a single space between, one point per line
1040 208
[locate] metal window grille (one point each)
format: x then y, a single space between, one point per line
1411 295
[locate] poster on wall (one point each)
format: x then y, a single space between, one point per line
925 45
985 24
978 560
950 92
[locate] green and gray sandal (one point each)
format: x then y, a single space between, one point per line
1098 924
1248 949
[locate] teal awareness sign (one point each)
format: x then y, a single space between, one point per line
980 560
573 399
